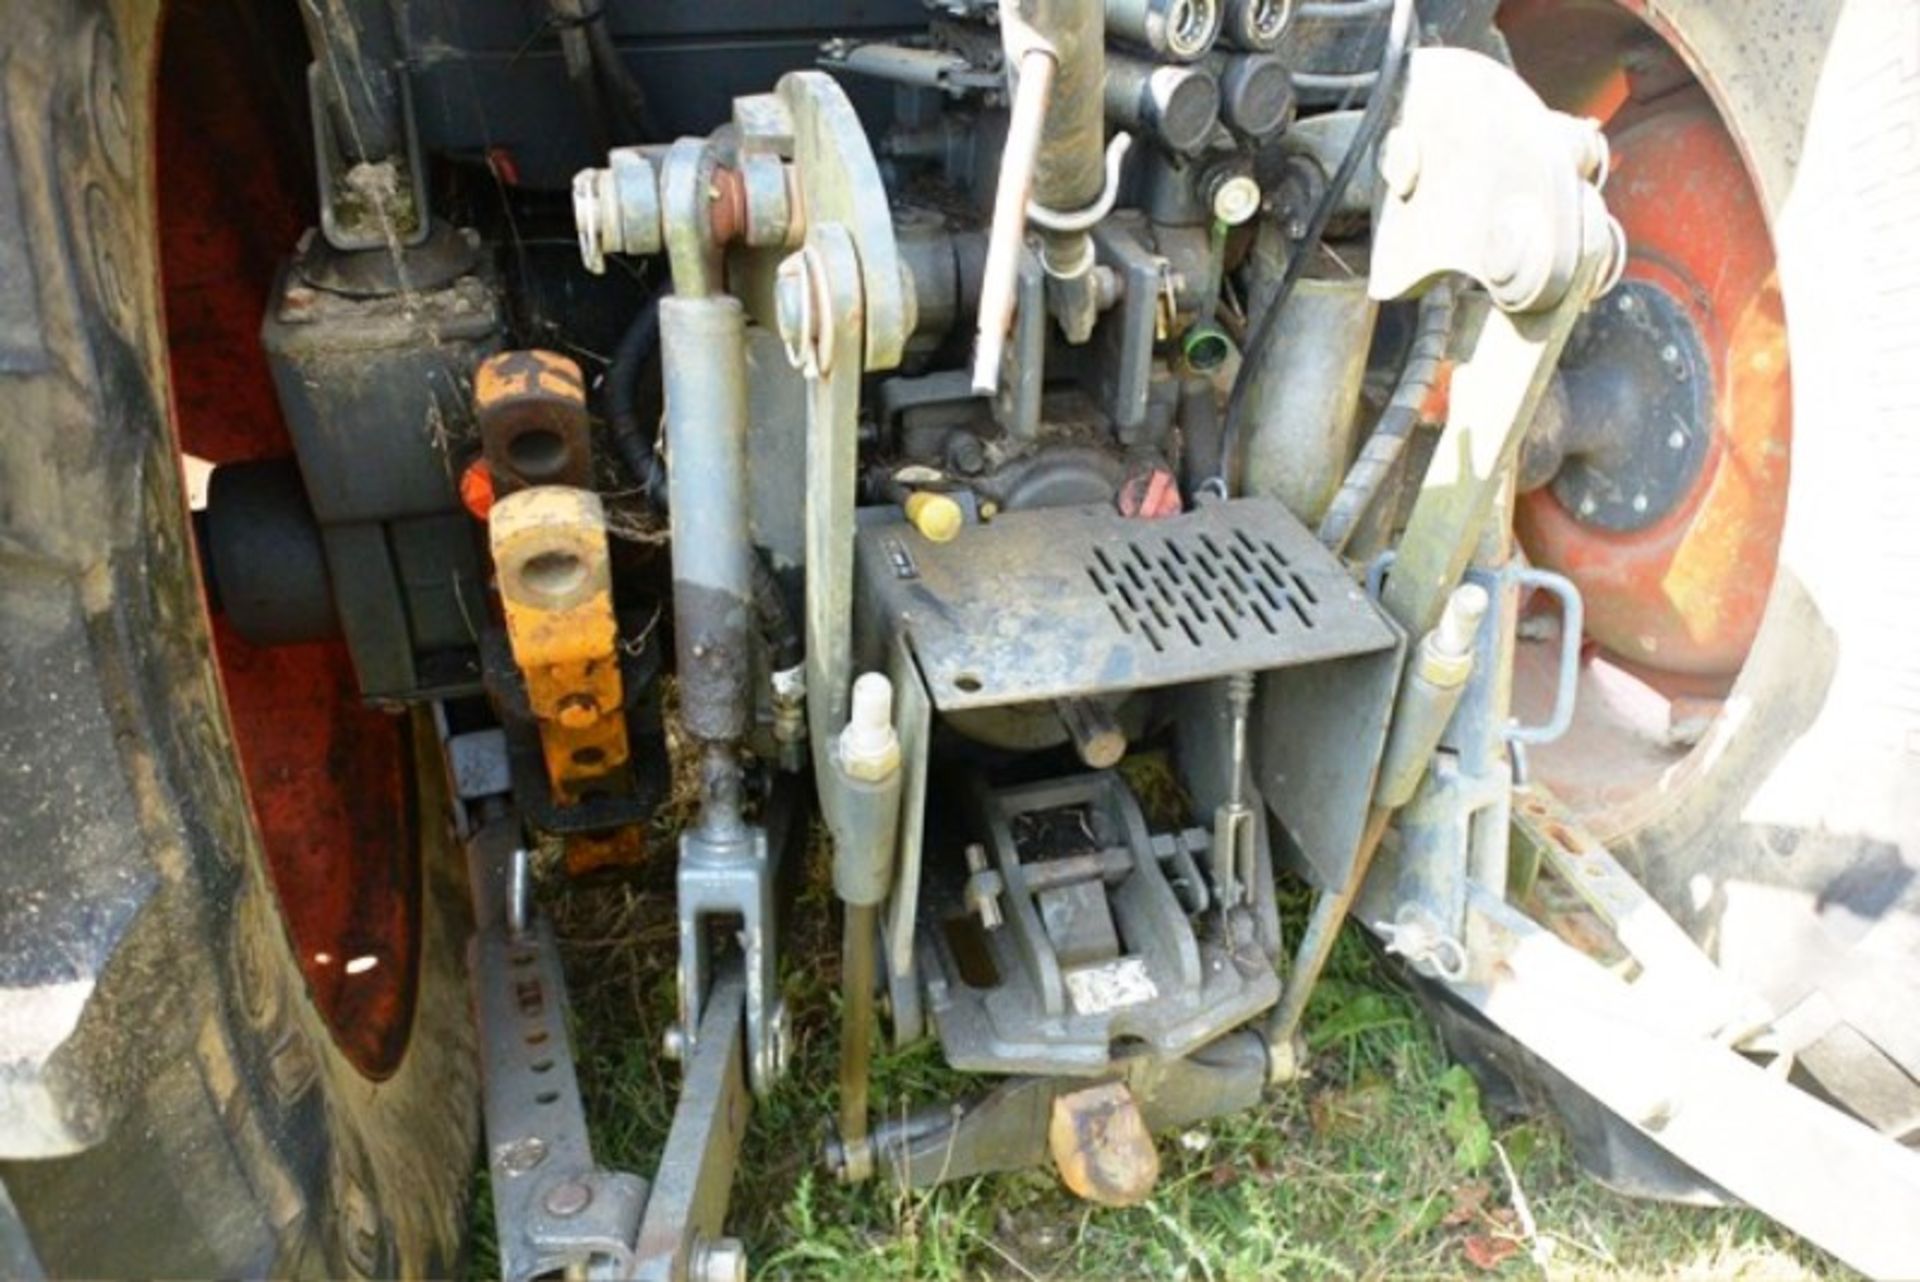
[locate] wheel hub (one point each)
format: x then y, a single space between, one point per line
1673 546
1639 391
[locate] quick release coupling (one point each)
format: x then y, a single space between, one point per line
1178 30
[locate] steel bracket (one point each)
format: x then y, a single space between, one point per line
1482 178
731 877
555 1210
680 1234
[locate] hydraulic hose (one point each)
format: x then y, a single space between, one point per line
1388 441
621 91
615 106
569 20
1373 122
631 439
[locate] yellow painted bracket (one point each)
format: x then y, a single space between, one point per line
550 552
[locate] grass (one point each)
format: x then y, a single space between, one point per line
1383 1164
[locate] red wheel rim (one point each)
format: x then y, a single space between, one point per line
326 777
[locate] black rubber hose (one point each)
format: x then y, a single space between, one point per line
568 21
1388 441
619 88
1259 345
632 441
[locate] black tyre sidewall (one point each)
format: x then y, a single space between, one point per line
1789 841
201 1058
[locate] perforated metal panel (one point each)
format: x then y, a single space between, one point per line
1192 588
1067 601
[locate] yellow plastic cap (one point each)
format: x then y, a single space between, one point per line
936 516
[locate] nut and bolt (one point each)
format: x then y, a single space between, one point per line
1236 199
673 1043
965 453
568 1198
721 1259
1286 1061
616 210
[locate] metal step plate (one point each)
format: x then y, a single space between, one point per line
1044 604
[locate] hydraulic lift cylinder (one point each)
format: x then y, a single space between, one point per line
704 367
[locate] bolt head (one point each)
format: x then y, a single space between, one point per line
718 1260
965 453
568 1198
673 1043
1236 200
1286 1061
1508 241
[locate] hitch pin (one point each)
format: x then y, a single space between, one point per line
517 894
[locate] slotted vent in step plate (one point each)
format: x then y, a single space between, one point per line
1042 604
1201 588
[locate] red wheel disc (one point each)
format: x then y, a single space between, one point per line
1682 596
326 777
